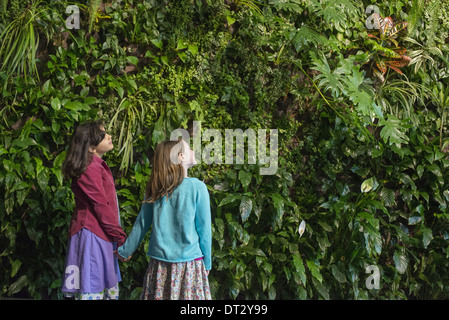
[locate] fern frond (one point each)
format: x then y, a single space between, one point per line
416 13
431 14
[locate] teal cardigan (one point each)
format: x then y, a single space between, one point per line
181 226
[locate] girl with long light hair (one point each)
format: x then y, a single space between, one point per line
177 208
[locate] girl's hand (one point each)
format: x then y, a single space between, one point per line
123 259
120 257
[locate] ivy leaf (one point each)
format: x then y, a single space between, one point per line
230 20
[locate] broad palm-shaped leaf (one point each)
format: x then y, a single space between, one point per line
328 79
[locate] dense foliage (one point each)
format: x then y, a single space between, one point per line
363 140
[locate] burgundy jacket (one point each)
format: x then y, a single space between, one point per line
96 207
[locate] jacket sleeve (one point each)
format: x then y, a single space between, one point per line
203 224
91 183
140 228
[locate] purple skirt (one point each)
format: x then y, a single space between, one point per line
91 265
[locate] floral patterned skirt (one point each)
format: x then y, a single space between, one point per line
176 281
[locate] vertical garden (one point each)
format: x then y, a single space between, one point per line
358 91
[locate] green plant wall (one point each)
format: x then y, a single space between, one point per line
362 160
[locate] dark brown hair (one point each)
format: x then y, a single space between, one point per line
166 175
78 156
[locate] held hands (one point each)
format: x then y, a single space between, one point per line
120 257
123 259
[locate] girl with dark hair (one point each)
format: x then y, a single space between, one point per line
92 270
178 209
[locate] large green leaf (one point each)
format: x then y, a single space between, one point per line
427 236
245 178
230 198
327 79
315 270
394 130
17 285
245 207
299 268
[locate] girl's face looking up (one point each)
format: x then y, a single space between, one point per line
187 157
104 146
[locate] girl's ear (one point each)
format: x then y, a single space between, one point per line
91 149
181 157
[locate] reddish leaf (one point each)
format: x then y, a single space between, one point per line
382 66
395 69
386 26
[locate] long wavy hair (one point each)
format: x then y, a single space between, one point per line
167 172
78 156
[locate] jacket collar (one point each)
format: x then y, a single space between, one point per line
98 161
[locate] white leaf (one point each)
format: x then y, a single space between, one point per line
302 228
367 185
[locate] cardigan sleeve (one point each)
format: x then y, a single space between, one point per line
140 228
203 224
